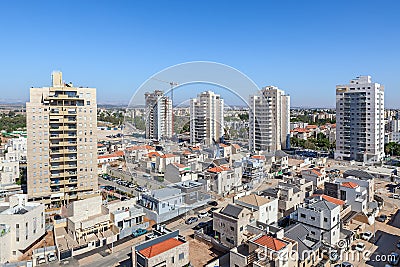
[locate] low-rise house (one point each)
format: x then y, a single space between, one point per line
164 160
290 194
349 191
90 223
22 224
265 209
118 155
322 218
230 223
88 219
126 217
9 174
221 179
101 149
316 175
253 170
177 172
16 149
264 250
175 200
308 248
167 250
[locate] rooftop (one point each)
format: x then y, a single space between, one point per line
232 210
161 247
350 185
270 242
254 200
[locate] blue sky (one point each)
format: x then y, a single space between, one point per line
303 47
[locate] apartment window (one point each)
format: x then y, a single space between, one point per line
325 219
312 218
312 232
17 232
181 256
302 215
173 259
232 229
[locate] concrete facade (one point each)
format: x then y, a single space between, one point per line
158 116
206 118
62 142
360 120
22 223
269 120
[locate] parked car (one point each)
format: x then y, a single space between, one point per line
51 257
203 214
212 203
360 247
366 236
41 259
394 258
381 218
139 232
191 220
141 189
131 185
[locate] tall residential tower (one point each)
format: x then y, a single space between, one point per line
62 142
206 118
158 115
360 120
269 120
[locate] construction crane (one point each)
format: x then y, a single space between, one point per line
172 84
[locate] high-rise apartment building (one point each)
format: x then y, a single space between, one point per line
62 142
360 120
206 118
159 122
269 120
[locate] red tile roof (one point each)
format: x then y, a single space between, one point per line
316 172
270 242
300 130
161 247
218 169
180 166
311 126
223 145
168 156
236 146
153 154
117 154
350 185
331 199
258 157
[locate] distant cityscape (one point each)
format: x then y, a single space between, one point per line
207 184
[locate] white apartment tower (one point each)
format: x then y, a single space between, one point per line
62 142
269 120
206 118
159 122
360 120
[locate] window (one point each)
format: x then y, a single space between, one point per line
302 215
325 219
232 229
312 218
181 256
173 259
